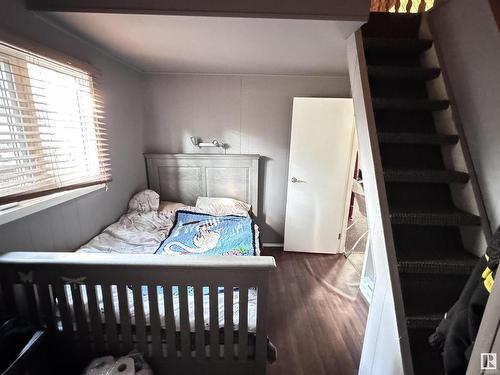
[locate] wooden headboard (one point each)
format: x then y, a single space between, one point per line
185 177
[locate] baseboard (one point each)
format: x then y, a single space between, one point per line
271 244
366 287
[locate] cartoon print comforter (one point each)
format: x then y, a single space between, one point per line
203 234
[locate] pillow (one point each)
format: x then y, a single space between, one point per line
223 206
145 201
169 208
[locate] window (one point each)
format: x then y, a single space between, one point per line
52 134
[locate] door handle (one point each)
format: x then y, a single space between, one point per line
296 180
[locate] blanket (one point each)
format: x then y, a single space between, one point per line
203 234
139 231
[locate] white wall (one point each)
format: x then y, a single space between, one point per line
251 113
468 38
66 226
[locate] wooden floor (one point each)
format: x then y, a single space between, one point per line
315 320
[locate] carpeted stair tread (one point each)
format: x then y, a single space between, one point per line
401 45
426 360
418 138
410 104
402 72
457 265
429 243
421 197
430 293
425 176
430 321
439 218
417 242
411 156
405 122
401 25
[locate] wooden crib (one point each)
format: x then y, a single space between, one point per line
58 292
85 301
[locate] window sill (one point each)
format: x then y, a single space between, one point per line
31 206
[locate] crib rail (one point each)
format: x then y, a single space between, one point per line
100 304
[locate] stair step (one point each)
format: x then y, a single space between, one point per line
426 360
444 218
425 248
425 176
410 104
430 321
456 266
387 25
431 293
413 122
423 197
418 138
400 72
403 45
420 243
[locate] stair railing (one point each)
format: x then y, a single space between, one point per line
401 6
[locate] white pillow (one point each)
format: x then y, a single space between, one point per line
223 206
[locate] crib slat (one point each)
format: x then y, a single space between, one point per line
95 320
125 327
154 316
214 323
81 319
199 321
243 325
8 302
110 319
140 323
29 290
184 323
228 324
62 303
261 336
46 308
169 321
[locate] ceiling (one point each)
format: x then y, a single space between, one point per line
220 45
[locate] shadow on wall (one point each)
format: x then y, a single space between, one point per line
266 231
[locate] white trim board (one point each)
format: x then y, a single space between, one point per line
272 244
366 287
31 206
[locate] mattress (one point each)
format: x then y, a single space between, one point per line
252 307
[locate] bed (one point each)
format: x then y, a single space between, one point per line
189 314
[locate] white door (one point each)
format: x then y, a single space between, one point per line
319 175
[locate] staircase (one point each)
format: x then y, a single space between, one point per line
427 227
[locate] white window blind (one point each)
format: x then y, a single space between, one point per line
52 134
